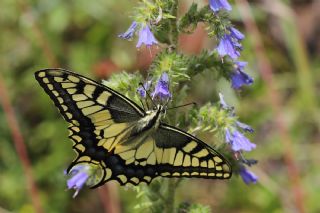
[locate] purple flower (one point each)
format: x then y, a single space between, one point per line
79 176
129 33
248 176
230 43
245 127
239 77
143 90
162 88
236 34
217 5
146 37
238 141
223 104
227 47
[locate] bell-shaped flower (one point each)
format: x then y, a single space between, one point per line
79 176
161 90
130 32
248 176
238 141
230 43
239 77
146 37
84 174
217 5
142 90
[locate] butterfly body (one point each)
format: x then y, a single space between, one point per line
152 118
126 143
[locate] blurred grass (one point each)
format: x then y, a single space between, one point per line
82 36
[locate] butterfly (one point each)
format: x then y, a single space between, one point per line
127 143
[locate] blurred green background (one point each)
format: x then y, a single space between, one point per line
282 105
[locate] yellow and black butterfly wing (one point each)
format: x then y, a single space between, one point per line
168 152
184 155
103 127
99 117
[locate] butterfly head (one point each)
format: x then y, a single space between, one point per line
154 116
161 110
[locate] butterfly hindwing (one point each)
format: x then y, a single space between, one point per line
168 152
186 156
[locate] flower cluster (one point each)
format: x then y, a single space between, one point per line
230 45
161 91
147 17
239 142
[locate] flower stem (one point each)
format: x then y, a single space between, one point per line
174 25
171 191
171 195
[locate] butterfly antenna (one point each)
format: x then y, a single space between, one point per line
192 103
142 105
141 84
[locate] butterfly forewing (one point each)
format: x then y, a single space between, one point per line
103 126
98 116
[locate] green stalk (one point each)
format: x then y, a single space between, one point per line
170 207
174 26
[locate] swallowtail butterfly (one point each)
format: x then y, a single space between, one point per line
128 144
